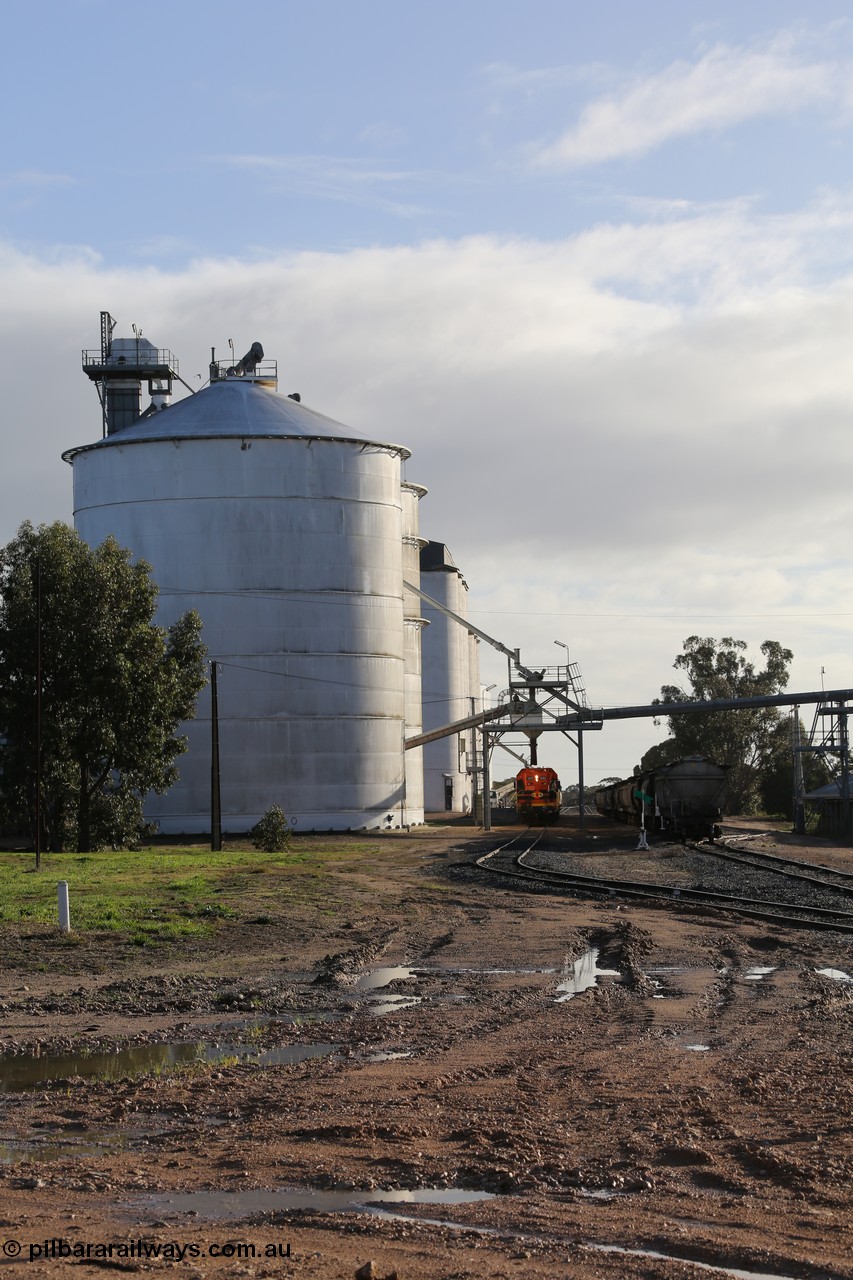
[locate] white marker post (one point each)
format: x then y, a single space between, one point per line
64 908
641 796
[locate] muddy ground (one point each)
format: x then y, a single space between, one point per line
697 1105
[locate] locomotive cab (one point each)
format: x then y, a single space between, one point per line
538 794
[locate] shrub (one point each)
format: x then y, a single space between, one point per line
272 833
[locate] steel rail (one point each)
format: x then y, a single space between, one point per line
782 866
501 847
753 908
688 894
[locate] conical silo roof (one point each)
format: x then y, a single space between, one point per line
235 407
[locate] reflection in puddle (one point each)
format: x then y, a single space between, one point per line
757 972
429 1195
29 1072
673 1257
456 971
698 1048
238 1204
383 1056
583 975
391 1004
376 980
838 975
387 1001
23 1149
382 977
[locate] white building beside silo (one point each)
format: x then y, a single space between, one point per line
285 530
451 685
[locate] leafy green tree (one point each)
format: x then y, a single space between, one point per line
656 756
114 687
747 740
777 789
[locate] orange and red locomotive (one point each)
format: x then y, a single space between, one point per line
537 794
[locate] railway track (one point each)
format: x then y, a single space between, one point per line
510 862
790 868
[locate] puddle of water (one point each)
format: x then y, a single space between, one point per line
757 972
698 1048
456 971
388 1057
429 1195
584 974
28 1072
838 975
391 1004
285 1055
376 978
25 1149
239 1204
673 1257
295 1019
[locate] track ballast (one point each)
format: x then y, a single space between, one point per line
510 861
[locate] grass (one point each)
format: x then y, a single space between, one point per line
161 893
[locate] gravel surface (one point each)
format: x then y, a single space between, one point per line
681 867
693 1105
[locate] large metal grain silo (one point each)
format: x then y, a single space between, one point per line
413 623
448 694
283 528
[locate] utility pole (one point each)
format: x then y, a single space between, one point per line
38 710
581 817
799 784
487 783
844 743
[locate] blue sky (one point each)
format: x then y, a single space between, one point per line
592 264
172 131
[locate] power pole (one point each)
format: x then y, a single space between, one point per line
799 784
38 710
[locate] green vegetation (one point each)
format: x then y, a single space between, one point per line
756 742
160 894
77 642
272 833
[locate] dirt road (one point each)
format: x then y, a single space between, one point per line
443 1037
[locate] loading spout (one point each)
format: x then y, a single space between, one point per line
513 654
458 726
250 361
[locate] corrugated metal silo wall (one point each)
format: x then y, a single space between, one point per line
413 624
291 550
447 693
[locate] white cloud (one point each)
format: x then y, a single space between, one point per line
383 135
162 246
630 435
32 180
352 181
724 87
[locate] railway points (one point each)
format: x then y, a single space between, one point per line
512 861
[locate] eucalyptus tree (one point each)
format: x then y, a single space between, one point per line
747 740
92 692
